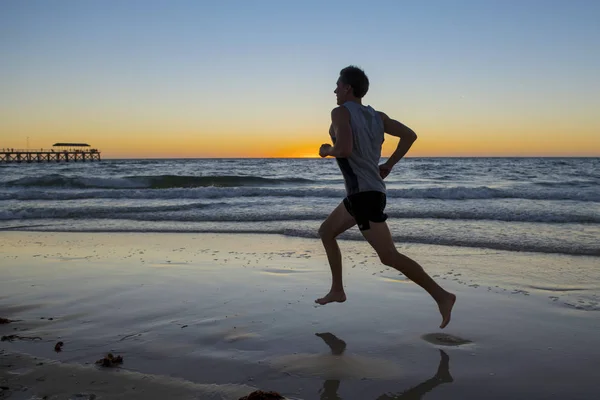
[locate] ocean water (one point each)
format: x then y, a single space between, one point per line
543 205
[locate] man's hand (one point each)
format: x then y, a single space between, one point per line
384 170
324 150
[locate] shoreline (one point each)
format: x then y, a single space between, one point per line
206 228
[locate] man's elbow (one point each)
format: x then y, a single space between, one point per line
410 136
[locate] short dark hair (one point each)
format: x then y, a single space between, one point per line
357 79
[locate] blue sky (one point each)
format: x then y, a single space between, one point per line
266 69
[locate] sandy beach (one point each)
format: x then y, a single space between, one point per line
216 316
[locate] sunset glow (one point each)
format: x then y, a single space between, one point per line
158 79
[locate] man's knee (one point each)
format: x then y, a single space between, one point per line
326 233
388 257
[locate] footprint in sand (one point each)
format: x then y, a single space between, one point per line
444 339
279 271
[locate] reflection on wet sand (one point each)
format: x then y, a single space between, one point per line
331 386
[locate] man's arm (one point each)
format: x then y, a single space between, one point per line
340 122
407 138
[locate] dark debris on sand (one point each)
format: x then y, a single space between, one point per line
110 361
5 321
260 395
58 347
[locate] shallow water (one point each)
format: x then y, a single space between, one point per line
239 309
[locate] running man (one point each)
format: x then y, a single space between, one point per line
357 133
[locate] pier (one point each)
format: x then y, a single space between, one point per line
60 152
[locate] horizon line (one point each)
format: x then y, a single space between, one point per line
318 158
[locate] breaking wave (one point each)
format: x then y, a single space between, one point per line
234 187
151 182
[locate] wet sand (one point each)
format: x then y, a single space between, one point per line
218 316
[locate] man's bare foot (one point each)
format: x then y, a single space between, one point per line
445 307
338 297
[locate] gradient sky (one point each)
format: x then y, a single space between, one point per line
256 78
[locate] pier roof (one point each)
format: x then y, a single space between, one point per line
71 145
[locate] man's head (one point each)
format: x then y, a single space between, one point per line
352 84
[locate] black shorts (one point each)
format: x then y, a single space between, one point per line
365 207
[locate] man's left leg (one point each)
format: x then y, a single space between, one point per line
338 222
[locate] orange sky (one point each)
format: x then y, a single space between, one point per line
162 80
506 141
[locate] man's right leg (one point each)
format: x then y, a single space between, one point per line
338 222
380 238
